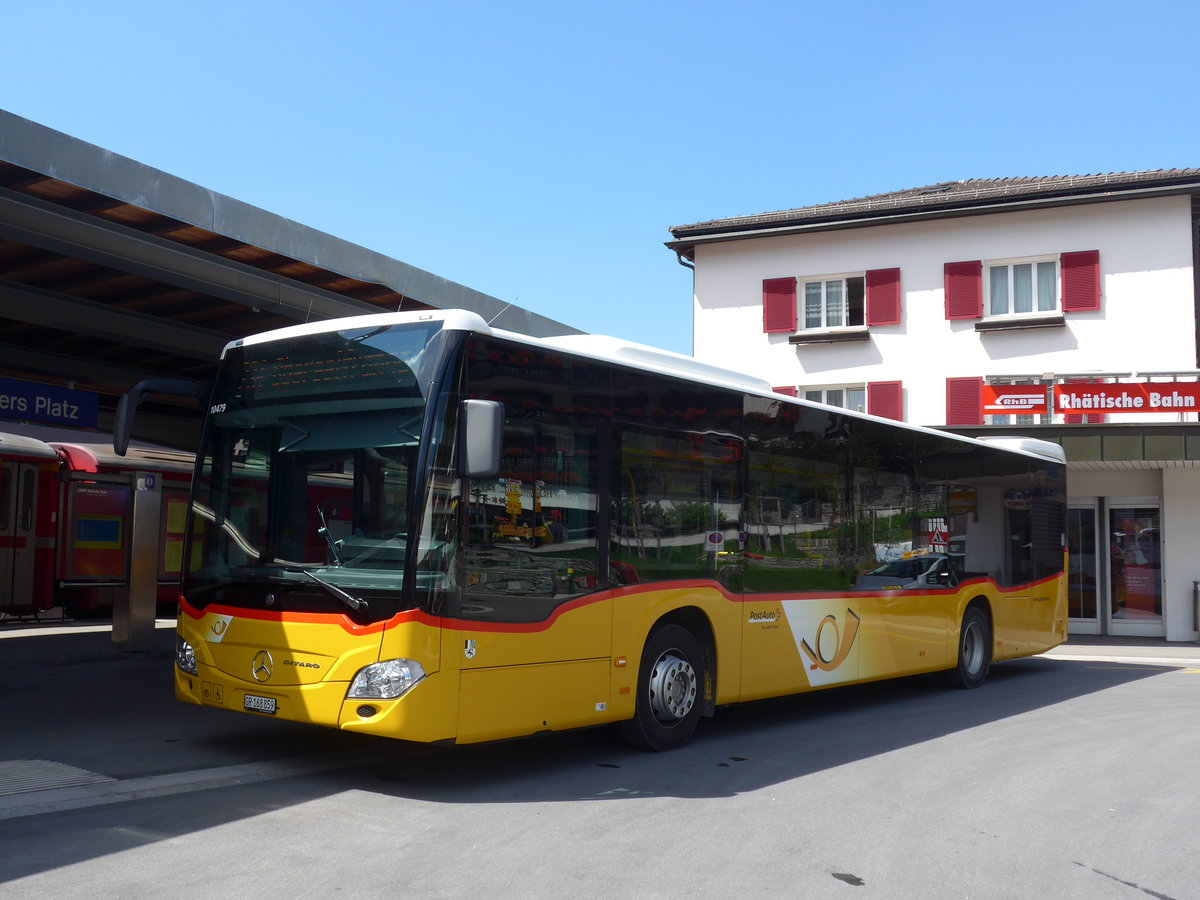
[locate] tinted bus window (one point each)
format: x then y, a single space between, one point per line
532 529
799 518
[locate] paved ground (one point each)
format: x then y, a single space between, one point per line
1060 778
94 725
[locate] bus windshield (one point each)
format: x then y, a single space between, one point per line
304 493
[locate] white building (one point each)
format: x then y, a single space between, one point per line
1070 299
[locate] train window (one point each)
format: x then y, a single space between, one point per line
27 498
5 497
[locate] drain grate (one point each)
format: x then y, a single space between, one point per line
18 776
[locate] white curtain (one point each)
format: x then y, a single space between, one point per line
1047 279
812 304
998 304
835 304
1023 288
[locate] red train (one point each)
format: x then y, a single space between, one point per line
66 514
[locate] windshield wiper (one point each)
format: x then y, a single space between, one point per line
355 603
324 532
246 572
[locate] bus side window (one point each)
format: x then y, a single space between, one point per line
677 508
797 515
531 529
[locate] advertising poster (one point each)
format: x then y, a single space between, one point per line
96 531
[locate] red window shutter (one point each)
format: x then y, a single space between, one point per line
790 391
883 297
963 403
886 399
964 290
1081 281
779 305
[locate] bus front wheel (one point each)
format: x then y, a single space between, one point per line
974 651
668 691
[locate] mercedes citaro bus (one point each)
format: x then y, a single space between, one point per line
417 526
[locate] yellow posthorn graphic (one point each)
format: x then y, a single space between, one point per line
843 643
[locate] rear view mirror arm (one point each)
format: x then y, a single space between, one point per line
128 404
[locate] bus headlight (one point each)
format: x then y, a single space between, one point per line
185 656
385 680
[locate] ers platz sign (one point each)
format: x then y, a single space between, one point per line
1141 397
28 402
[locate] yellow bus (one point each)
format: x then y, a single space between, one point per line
414 525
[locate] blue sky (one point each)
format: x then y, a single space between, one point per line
540 151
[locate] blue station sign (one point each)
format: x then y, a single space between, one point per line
27 402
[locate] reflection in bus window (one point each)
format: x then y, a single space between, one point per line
678 506
531 529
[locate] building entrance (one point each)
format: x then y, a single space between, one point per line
1114 571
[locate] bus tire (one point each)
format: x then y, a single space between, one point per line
974 651
668 693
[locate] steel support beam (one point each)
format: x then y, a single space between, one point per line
50 310
60 365
29 220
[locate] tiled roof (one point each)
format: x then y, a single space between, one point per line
949 195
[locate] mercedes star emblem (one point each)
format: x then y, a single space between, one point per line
262 666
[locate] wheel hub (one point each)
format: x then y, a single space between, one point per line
672 688
972 648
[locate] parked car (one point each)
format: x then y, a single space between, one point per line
916 571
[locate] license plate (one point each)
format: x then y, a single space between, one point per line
260 704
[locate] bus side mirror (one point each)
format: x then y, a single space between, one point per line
128 404
480 430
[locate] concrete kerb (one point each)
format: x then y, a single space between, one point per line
32 803
29 644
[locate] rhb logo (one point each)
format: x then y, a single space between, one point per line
1016 401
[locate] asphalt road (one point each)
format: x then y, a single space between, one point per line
1073 776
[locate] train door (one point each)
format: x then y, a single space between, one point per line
18 506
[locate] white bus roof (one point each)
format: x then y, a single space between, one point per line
595 346
640 356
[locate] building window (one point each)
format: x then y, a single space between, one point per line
854 398
1022 287
834 302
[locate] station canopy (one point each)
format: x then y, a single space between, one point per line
112 272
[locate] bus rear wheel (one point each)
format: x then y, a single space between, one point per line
974 651
668 691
